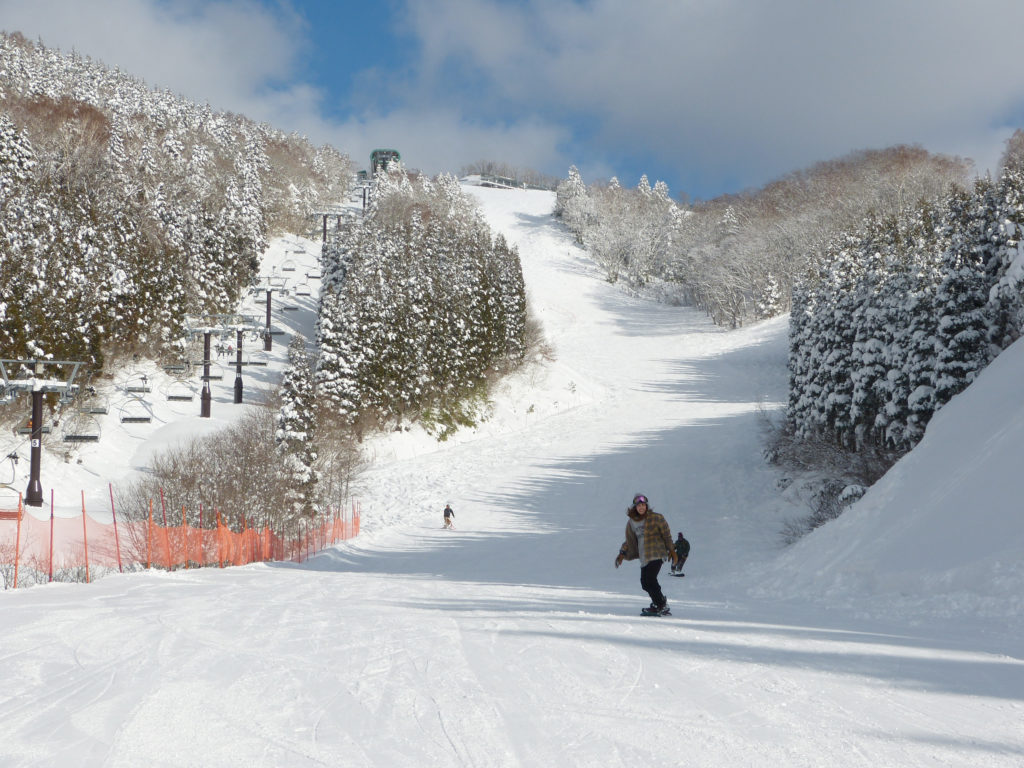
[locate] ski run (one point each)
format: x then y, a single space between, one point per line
891 637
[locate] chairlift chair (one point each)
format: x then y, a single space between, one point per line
259 359
26 430
180 391
81 427
133 412
216 369
137 384
97 405
90 401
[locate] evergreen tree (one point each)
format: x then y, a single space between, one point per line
877 369
419 303
295 429
962 330
1005 307
153 207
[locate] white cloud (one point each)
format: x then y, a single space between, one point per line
719 93
233 54
443 140
239 55
743 87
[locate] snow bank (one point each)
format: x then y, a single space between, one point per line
942 531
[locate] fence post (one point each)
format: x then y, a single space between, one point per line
85 539
202 538
17 544
184 536
149 538
117 542
167 540
220 541
51 534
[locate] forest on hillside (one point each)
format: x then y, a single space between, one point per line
737 256
123 208
421 306
902 277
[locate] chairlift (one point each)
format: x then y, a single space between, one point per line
288 266
259 359
81 427
68 395
216 370
179 391
98 405
27 430
134 412
137 385
224 347
135 409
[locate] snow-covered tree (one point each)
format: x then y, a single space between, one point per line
295 428
420 303
124 208
961 335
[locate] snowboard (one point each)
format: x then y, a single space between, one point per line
678 574
649 612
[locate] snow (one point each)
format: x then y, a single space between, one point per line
889 637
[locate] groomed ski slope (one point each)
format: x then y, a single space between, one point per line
513 641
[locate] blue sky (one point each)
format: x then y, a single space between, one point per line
711 96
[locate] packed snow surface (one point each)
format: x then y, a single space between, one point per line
891 637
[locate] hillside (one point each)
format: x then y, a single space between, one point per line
942 531
513 641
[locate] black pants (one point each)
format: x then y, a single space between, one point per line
649 582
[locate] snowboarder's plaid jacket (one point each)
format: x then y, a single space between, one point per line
657 539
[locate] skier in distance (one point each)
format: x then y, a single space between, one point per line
682 552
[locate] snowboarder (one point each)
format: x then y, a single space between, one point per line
649 539
448 515
682 552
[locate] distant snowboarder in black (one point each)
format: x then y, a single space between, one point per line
682 547
448 515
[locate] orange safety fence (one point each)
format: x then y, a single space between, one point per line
59 548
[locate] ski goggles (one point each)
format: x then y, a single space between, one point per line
639 499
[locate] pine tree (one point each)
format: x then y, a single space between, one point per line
1005 307
419 303
877 297
962 329
295 429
